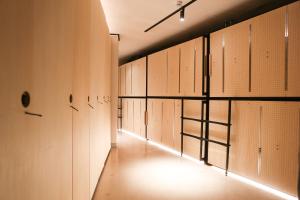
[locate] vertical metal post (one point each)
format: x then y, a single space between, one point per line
146 100
207 102
228 136
181 133
201 129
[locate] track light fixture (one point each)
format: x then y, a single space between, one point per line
181 10
182 15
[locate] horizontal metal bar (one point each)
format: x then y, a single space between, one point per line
204 98
74 108
165 97
170 15
204 139
296 99
209 121
33 114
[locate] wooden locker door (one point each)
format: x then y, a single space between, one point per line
167 134
173 71
293 16
198 65
155 120
130 115
51 86
217 153
244 139
128 79
139 77
217 63
268 54
122 80
17 140
143 125
236 60
280 146
81 136
124 114
157 74
187 68
177 125
137 116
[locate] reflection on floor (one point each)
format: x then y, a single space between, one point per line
136 170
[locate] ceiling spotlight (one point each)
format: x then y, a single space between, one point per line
182 15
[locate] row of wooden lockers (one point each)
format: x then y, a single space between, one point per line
264 136
257 57
51 49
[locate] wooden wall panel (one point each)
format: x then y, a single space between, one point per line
138 117
217 153
198 66
157 74
244 139
216 65
168 116
128 79
130 115
139 77
268 54
155 113
293 84
177 125
173 71
236 59
187 68
191 147
122 79
280 145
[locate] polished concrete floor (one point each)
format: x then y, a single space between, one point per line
136 170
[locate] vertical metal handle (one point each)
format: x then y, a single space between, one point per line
210 64
146 118
259 161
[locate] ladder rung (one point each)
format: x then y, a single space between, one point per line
209 121
208 140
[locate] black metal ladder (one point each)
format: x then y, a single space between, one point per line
205 138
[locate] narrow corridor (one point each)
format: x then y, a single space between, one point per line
139 170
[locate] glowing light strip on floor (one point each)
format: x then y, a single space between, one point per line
230 174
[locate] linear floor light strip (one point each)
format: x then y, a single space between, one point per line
230 174
132 135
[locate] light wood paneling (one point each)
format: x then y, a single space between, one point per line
217 153
128 79
168 123
130 115
187 68
198 66
280 145
157 74
236 60
268 54
138 117
216 65
155 114
293 84
245 139
139 77
122 79
177 125
173 71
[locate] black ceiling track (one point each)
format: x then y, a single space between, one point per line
170 15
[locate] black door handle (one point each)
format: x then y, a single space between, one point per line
91 106
74 108
33 114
